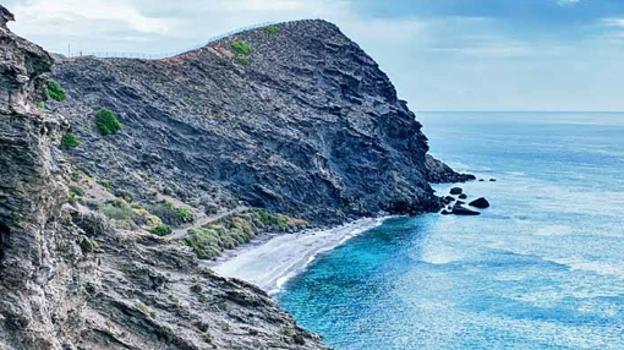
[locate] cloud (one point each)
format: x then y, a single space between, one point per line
567 2
42 15
613 22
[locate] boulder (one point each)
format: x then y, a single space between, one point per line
460 210
480 203
446 212
463 196
447 199
492 180
456 190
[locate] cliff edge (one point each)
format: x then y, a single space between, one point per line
70 280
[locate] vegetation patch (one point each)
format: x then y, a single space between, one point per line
40 104
240 47
69 140
171 215
272 29
132 216
209 241
185 215
55 90
107 122
161 230
75 194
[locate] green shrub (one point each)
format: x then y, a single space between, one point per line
107 122
75 194
184 214
40 104
161 230
117 209
69 140
241 48
55 90
272 29
106 183
196 288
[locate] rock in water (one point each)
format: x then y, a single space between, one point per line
460 210
438 172
448 199
480 203
456 190
463 196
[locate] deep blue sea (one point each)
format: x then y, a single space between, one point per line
543 268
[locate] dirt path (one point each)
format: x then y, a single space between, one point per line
202 220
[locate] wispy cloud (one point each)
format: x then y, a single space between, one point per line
567 2
613 22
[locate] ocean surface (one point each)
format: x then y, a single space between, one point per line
543 268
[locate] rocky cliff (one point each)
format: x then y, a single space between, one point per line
271 129
69 280
294 118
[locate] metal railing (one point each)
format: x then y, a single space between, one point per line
144 55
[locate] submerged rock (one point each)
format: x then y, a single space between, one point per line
480 203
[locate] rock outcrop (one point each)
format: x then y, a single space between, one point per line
299 121
69 280
438 172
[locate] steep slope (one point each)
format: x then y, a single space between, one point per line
295 118
69 280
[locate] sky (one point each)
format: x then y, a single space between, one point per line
500 55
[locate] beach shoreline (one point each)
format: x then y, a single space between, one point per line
271 260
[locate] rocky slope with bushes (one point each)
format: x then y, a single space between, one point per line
119 173
74 278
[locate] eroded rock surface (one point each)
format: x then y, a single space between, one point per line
68 280
306 125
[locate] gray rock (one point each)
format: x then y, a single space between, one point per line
309 126
480 203
438 172
456 190
69 280
460 210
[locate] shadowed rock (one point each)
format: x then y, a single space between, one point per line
480 203
455 191
460 210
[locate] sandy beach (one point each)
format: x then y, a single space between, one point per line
270 263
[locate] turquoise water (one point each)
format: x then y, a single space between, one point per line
543 268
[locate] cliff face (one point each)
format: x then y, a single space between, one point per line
69 280
303 123
294 118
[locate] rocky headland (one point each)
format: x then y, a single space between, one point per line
120 174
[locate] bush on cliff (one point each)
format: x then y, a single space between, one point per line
241 48
161 230
272 29
69 140
209 241
107 122
55 90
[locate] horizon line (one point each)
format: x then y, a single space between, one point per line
515 111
